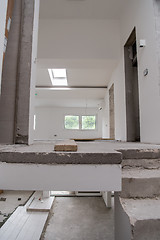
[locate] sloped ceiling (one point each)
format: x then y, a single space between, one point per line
83 37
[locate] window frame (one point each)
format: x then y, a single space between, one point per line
73 116
80 122
95 122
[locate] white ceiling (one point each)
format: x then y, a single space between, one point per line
77 77
81 9
83 37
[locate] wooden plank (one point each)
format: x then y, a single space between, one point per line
1 191
92 139
67 145
33 227
43 205
24 225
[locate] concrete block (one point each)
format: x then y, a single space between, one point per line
140 153
140 183
67 145
141 163
144 218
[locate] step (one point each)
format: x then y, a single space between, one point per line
140 183
141 163
140 153
41 205
144 218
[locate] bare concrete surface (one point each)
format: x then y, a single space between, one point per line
80 218
97 152
144 216
87 146
137 207
140 178
9 201
43 153
142 184
141 164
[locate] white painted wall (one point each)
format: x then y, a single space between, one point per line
50 122
139 14
3 9
33 70
105 117
78 39
61 177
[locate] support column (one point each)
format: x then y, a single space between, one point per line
9 78
24 73
16 103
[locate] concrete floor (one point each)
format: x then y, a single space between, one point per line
80 218
99 146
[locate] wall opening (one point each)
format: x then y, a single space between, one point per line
111 112
131 88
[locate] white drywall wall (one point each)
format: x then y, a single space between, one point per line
105 117
78 39
50 122
3 9
139 14
60 177
33 70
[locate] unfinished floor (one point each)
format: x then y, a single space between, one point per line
80 218
9 201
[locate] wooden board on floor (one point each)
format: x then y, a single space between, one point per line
92 139
43 205
24 225
67 145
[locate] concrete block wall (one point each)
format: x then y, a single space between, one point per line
137 206
16 77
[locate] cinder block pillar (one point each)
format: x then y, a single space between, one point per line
24 73
19 74
9 78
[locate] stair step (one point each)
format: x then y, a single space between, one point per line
144 217
140 153
141 163
43 205
140 183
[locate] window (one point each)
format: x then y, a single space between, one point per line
88 122
80 122
58 77
71 122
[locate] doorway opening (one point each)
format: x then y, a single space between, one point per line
111 112
132 91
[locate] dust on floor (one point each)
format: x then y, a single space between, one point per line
9 201
79 218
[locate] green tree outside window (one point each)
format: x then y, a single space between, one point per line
88 122
71 122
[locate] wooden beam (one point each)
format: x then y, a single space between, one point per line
67 145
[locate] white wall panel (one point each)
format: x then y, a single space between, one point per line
50 122
3 9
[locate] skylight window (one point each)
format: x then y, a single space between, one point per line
59 73
58 77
